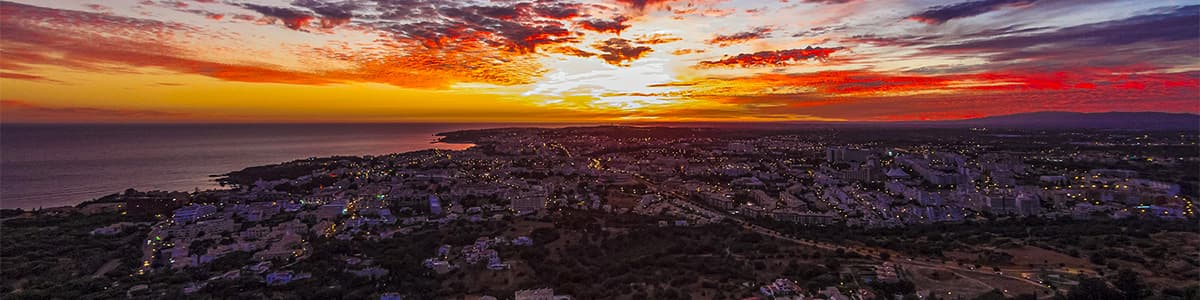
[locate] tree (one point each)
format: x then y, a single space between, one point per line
1026 297
1130 284
991 295
1092 289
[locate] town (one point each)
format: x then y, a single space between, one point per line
681 213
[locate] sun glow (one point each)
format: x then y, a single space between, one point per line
670 60
592 84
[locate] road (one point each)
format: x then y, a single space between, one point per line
900 258
684 202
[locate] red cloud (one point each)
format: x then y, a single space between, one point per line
78 40
771 58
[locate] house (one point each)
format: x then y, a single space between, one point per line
101 207
284 277
110 229
495 264
526 203
439 266
780 287
260 267
152 203
834 294
193 212
535 294
522 241
482 242
324 228
722 201
256 232
331 211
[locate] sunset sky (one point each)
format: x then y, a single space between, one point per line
584 61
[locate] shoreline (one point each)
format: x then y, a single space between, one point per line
210 181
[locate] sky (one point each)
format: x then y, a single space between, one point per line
591 61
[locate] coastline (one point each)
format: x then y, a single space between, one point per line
92 161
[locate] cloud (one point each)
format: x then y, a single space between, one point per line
16 111
828 1
614 26
686 51
771 58
572 51
642 4
871 95
618 51
942 14
559 11
1161 39
740 37
1174 25
332 14
41 36
30 77
901 41
657 38
293 19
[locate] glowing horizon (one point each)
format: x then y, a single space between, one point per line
541 61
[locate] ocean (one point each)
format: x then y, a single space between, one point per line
57 165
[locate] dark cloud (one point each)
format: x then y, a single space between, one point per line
291 18
642 4
520 27
558 11
1163 39
343 10
615 25
771 58
1175 25
942 14
939 39
828 1
331 14
617 51
26 111
740 37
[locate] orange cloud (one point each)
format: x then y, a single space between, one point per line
656 39
39 36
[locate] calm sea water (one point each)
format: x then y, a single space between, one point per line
56 165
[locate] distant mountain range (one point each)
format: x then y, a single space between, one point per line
1033 120
1106 120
